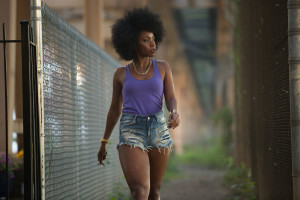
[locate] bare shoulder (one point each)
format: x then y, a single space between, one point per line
119 71
120 74
163 65
164 68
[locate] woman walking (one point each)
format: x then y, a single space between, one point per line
138 91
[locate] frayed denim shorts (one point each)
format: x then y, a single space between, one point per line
145 131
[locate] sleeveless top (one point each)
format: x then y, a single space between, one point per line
142 97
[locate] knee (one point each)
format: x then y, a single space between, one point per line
139 191
154 192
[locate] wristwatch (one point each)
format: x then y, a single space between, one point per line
173 111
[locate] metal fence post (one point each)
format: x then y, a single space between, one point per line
294 62
28 178
6 118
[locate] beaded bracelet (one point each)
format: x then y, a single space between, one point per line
104 140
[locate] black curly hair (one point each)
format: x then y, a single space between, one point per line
125 31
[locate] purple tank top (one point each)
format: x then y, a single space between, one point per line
142 97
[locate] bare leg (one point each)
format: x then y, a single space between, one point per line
136 168
158 164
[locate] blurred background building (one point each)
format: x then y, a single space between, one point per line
198 46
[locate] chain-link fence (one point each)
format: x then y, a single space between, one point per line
263 138
77 93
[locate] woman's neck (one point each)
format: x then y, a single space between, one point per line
142 62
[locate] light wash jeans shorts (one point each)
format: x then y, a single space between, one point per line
145 131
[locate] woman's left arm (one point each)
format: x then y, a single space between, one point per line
170 98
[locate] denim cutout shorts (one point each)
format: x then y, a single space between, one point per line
145 131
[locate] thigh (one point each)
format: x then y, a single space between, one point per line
135 165
158 163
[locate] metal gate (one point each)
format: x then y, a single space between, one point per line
32 181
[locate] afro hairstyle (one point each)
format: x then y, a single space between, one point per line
125 31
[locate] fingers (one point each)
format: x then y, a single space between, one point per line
101 157
101 160
173 124
173 121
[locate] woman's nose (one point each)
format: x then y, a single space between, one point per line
152 44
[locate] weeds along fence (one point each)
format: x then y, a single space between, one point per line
77 91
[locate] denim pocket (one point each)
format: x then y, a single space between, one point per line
127 120
161 119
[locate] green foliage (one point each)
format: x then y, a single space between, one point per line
212 151
224 117
172 171
239 182
13 164
236 1
119 196
210 154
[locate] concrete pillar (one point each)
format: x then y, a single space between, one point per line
224 65
11 12
11 71
8 16
4 18
23 13
93 20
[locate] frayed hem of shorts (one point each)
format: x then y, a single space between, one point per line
132 146
169 148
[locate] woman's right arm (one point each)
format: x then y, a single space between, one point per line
113 112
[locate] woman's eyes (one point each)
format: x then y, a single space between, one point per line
146 40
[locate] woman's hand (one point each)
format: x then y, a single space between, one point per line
173 120
102 153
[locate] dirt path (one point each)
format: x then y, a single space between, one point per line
198 184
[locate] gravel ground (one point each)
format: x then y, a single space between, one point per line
198 184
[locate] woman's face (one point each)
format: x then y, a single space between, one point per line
146 44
